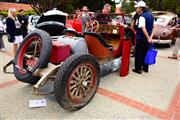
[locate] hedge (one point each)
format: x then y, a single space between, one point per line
27 13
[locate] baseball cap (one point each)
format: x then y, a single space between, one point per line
135 6
141 4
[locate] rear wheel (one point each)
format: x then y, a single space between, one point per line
32 54
77 81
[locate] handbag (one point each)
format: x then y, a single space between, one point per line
150 58
9 38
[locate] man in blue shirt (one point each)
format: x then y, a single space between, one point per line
144 36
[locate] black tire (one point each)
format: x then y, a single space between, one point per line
65 79
169 44
43 57
174 41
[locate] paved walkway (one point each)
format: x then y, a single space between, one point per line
153 95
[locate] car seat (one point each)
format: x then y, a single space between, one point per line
72 33
97 46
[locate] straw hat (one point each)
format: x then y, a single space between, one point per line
84 8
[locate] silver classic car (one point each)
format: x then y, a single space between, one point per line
164 22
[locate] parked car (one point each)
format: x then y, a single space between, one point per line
32 21
4 23
164 21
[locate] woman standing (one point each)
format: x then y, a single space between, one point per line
13 29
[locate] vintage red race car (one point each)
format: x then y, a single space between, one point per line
73 60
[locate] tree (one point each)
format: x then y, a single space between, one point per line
127 6
173 5
7 0
22 1
41 6
68 6
165 5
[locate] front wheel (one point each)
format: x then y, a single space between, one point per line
77 81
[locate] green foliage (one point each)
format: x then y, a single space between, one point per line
4 13
68 6
64 8
30 12
41 6
164 5
178 11
127 7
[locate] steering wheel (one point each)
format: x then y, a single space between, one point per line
92 26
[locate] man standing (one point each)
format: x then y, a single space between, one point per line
135 20
102 16
23 21
144 36
86 17
177 44
134 24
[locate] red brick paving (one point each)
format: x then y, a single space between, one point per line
146 109
7 84
172 113
10 54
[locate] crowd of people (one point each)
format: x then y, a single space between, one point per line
142 23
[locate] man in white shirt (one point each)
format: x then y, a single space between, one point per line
144 36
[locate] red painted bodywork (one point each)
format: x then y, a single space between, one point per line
75 24
59 52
